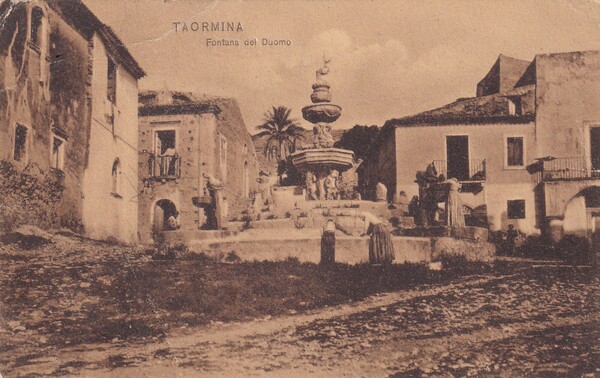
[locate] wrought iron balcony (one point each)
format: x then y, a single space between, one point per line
475 172
567 168
164 167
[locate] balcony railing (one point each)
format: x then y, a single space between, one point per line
476 172
164 167
568 168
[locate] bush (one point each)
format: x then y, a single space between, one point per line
576 250
31 197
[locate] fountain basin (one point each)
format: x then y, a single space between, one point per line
319 158
323 112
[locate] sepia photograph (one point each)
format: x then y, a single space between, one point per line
299 188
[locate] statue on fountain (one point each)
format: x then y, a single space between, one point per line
322 136
332 190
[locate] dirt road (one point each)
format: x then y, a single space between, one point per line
537 320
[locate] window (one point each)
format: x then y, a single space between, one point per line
36 26
111 81
116 178
20 150
515 107
223 158
514 152
58 153
166 160
165 143
515 209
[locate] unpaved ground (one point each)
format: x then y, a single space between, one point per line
534 319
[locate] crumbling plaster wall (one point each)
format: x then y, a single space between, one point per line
42 88
567 92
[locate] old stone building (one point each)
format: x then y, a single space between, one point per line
68 99
183 139
526 148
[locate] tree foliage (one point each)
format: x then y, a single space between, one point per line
283 133
358 139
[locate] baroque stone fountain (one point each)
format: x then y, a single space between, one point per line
322 164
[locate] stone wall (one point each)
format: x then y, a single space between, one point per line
42 88
349 250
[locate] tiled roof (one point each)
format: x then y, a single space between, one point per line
76 14
490 109
174 102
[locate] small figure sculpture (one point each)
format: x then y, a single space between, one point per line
311 186
331 185
323 70
322 136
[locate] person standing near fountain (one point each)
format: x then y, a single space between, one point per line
381 248
454 208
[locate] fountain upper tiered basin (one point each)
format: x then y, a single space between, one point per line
322 112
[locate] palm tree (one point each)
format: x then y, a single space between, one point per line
283 133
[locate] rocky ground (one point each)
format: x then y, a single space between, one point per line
61 315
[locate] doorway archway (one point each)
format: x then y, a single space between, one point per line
582 215
163 209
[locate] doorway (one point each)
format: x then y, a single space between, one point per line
163 209
457 157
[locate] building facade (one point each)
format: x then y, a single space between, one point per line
68 95
184 139
526 148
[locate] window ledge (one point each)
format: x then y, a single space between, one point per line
116 195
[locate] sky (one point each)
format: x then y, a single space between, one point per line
388 58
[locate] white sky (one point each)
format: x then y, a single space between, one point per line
389 58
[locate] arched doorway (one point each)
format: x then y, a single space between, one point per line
582 215
163 209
